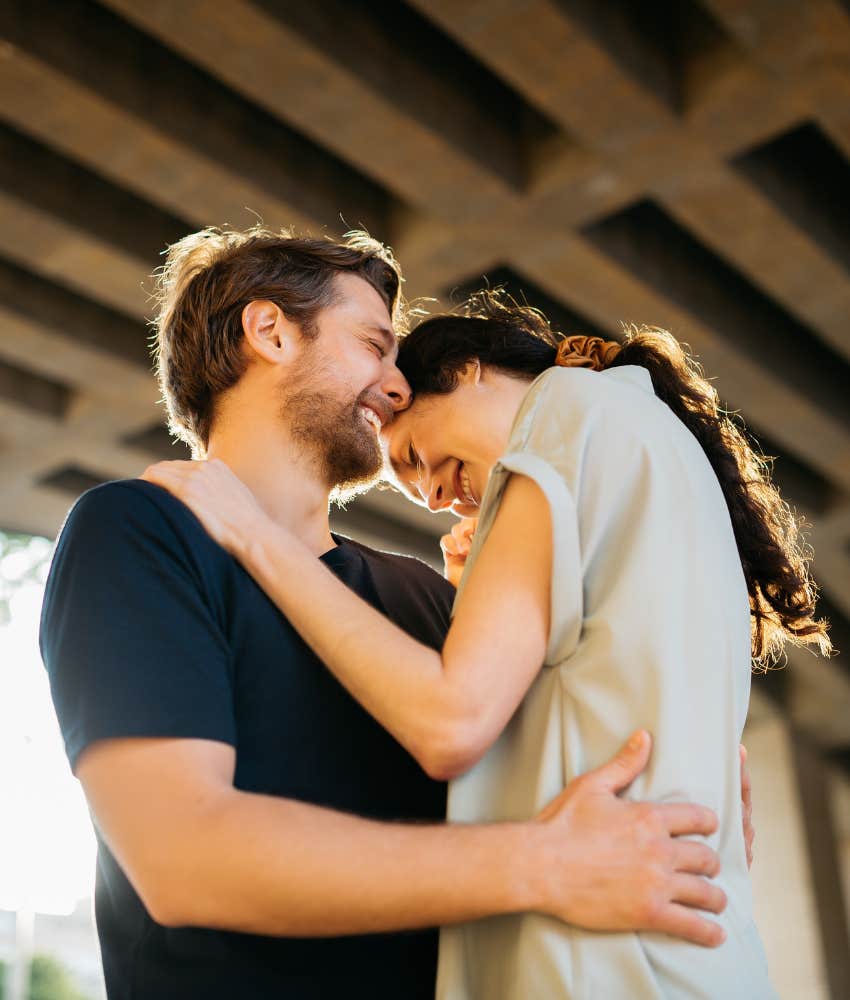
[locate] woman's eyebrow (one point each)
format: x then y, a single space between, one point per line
396 463
400 461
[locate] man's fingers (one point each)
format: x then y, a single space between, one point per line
748 843
691 890
747 805
688 818
619 772
683 922
746 783
695 858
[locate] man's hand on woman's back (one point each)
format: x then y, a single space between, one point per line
618 865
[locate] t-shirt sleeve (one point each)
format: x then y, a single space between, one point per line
566 588
544 454
128 637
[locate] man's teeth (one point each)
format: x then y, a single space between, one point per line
466 485
371 416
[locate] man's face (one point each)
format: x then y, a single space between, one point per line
347 386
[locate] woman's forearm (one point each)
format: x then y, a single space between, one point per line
446 708
399 681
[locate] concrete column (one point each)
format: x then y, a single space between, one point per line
785 903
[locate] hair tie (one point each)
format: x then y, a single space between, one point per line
586 352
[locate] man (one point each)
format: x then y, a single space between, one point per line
249 813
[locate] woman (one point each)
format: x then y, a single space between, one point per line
630 543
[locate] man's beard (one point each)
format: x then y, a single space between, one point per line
334 433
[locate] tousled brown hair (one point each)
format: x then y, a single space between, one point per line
518 340
210 276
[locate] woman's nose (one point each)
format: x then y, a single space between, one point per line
436 497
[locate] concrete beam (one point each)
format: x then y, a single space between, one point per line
133 111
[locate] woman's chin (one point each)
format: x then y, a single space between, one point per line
465 509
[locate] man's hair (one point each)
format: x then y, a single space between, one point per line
207 280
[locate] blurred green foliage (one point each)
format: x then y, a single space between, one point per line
49 980
23 559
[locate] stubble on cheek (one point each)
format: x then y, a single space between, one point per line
333 435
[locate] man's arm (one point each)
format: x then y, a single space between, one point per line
201 853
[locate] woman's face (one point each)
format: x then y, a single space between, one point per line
443 448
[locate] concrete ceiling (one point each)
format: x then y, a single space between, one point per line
675 162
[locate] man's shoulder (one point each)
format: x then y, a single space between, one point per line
128 522
125 506
407 568
122 495
403 562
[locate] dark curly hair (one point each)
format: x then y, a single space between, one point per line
518 340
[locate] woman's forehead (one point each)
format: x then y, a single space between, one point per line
394 433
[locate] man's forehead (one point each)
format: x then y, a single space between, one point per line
369 314
354 292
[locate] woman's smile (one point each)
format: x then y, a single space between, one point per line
443 447
463 486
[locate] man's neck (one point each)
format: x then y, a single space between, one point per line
285 482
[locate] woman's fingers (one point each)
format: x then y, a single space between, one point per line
449 545
462 533
464 530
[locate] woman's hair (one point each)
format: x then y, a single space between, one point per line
210 276
518 340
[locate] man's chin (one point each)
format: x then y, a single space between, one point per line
344 493
354 470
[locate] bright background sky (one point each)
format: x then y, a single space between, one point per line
47 847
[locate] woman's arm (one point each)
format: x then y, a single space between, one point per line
446 708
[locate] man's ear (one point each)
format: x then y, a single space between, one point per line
268 333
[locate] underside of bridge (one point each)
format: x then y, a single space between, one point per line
673 162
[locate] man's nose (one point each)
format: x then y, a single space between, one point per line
396 388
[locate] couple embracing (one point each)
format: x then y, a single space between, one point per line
273 723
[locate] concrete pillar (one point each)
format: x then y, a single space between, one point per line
785 904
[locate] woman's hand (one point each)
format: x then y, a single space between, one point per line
456 546
216 496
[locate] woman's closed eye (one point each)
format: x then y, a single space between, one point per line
415 463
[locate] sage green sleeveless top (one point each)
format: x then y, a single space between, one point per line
650 627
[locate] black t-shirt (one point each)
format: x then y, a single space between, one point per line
149 628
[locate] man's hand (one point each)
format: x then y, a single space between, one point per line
456 546
747 806
629 866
